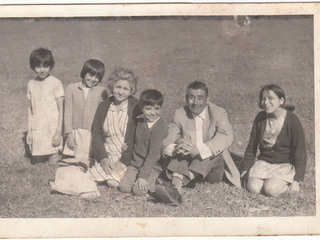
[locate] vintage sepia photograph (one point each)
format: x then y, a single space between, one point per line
158 120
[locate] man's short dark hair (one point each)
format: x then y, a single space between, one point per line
198 85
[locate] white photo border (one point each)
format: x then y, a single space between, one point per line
169 227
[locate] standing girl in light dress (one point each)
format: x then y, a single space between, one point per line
113 128
279 136
45 94
81 102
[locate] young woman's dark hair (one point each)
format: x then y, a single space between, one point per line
279 92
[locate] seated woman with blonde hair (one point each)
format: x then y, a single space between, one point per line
279 136
113 128
111 142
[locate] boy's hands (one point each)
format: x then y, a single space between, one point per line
71 143
56 140
142 184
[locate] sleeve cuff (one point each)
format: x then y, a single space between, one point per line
204 150
169 150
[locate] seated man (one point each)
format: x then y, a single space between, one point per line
197 144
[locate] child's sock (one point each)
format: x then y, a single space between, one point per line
191 175
177 181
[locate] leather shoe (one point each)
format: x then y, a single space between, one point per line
168 194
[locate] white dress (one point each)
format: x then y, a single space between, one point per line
44 114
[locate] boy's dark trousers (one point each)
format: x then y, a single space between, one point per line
128 182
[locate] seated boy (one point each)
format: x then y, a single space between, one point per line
145 168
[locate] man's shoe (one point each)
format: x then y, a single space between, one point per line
168 194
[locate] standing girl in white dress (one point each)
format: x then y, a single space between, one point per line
45 94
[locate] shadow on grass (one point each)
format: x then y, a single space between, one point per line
27 152
236 158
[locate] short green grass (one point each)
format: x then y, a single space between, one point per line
167 54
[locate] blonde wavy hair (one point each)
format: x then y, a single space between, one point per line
125 74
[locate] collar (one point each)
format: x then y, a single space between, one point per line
122 107
83 87
203 114
148 124
141 116
152 123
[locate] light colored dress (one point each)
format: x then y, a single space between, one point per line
264 170
115 126
44 114
82 137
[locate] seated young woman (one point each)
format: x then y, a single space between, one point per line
278 134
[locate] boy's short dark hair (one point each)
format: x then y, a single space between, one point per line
94 67
151 97
41 56
198 85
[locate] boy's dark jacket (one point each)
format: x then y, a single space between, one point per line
147 146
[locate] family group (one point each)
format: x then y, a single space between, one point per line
122 142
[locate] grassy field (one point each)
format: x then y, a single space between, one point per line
167 54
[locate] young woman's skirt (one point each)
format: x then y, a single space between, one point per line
264 170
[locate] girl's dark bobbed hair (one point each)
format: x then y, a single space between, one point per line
41 56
